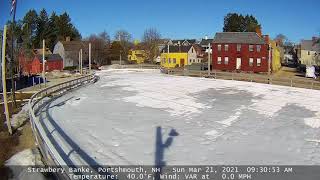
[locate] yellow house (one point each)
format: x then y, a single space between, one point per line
174 56
276 61
137 56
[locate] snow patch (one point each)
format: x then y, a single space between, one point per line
213 134
19 118
228 122
312 122
76 101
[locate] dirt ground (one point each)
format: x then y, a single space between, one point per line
287 72
23 138
20 140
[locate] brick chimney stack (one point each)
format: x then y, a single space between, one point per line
266 38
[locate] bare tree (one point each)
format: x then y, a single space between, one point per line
151 39
281 39
125 38
100 47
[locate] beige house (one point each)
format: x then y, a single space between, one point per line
69 51
195 54
309 52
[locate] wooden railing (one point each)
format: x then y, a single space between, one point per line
250 77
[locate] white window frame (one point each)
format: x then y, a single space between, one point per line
251 48
219 60
238 47
226 60
258 62
226 47
219 47
258 48
251 62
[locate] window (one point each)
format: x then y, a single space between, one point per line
174 60
308 52
164 60
251 62
226 60
238 47
192 50
258 61
219 47
250 48
219 60
194 60
258 48
169 60
226 47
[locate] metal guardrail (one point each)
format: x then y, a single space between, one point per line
38 100
249 77
140 66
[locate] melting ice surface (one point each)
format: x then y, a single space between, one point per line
218 121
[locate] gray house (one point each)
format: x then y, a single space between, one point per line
69 51
204 43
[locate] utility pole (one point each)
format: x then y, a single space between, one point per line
269 60
12 58
120 57
120 50
4 86
209 51
44 62
89 58
81 61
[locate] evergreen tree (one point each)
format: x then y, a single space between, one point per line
234 22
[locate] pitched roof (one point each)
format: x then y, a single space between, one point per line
176 49
191 41
50 57
310 45
197 47
205 42
75 45
238 37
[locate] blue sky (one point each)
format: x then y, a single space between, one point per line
296 19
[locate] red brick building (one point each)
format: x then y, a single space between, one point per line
241 51
53 62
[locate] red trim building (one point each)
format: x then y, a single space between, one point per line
24 63
53 62
240 51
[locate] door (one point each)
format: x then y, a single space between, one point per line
181 62
238 65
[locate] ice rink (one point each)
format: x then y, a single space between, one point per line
133 116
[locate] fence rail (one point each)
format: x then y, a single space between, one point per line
249 77
37 101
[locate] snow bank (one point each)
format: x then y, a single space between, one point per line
19 118
19 163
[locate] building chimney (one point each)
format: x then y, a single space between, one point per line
68 38
266 38
314 39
